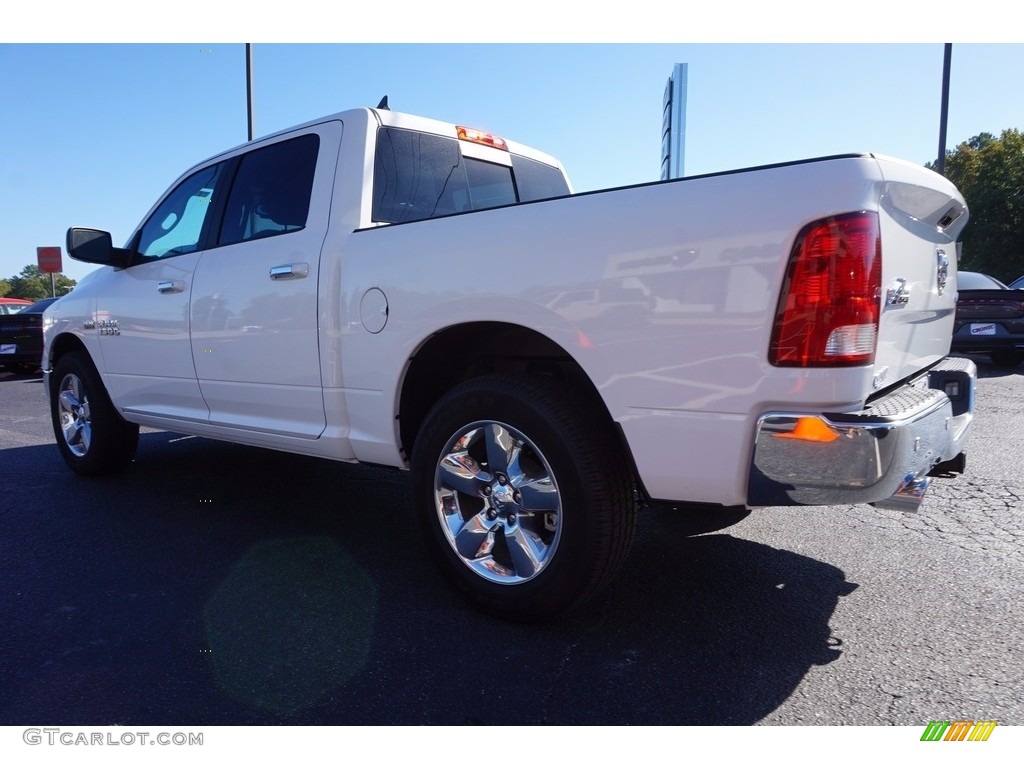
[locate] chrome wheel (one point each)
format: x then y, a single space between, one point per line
498 502
74 416
522 494
91 435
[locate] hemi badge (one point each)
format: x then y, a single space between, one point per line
89 325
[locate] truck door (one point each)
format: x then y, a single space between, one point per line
254 310
142 317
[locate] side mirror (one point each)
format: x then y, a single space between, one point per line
94 246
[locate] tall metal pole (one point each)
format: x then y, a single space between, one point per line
940 165
248 84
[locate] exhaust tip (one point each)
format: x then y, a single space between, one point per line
907 498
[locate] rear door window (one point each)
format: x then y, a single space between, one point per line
272 190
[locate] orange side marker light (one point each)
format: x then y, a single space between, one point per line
812 429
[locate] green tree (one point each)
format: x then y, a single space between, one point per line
33 283
989 172
5 287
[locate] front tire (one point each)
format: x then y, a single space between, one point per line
91 435
523 495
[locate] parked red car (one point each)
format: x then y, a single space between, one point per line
9 306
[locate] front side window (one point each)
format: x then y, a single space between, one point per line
177 224
272 190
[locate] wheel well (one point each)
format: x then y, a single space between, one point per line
464 352
63 344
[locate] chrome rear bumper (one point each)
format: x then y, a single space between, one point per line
882 454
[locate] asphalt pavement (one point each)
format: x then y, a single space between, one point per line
218 584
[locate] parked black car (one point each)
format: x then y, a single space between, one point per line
989 319
21 338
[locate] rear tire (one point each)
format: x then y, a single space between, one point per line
523 495
91 435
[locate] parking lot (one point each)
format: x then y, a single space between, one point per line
219 584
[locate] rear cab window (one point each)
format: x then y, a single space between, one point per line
421 176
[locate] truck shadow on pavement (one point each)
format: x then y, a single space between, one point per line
215 584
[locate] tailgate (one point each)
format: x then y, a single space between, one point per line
921 214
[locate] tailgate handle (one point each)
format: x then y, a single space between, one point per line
170 286
289 271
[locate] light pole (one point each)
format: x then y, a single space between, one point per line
940 164
248 84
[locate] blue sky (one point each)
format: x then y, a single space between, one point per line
93 133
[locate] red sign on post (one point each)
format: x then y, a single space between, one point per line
48 258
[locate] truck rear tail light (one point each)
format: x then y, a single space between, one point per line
830 303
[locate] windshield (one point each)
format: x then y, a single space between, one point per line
975 281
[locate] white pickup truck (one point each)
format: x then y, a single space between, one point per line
384 288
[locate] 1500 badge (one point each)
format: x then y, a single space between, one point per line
108 328
898 294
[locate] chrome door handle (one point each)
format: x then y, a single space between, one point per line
289 271
170 286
